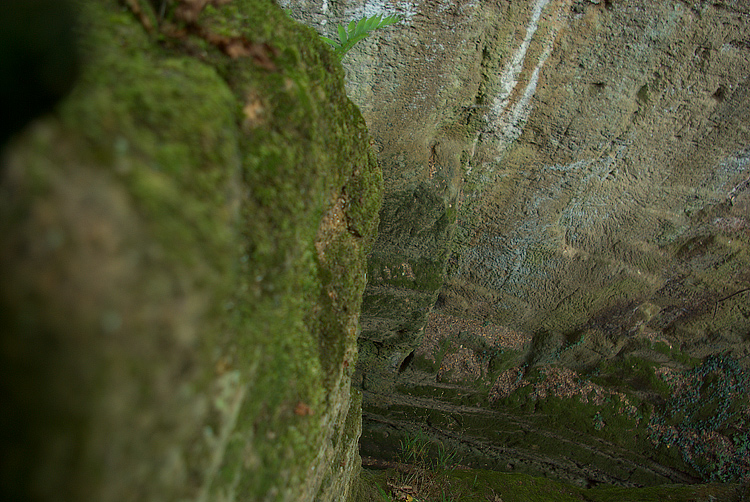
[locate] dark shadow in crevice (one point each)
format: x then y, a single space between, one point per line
406 362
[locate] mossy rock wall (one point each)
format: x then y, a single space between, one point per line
183 261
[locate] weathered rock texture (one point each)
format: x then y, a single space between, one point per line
579 169
182 263
626 185
590 157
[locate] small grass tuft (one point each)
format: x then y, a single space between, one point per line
414 449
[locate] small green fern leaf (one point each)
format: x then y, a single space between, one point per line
356 31
327 40
343 31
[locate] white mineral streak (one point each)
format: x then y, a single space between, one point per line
405 9
509 78
504 123
513 121
373 8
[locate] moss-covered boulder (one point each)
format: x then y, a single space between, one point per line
182 261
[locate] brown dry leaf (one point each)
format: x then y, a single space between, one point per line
402 493
236 47
262 56
302 409
241 47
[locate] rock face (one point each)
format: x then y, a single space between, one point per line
576 173
589 157
182 262
613 177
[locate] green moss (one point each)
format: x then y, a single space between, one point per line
632 374
420 274
167 125
676 355
482 485
293 165
660 493
230 167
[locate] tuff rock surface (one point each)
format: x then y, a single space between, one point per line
571 173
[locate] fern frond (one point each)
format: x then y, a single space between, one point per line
342 34
327 40
358 30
